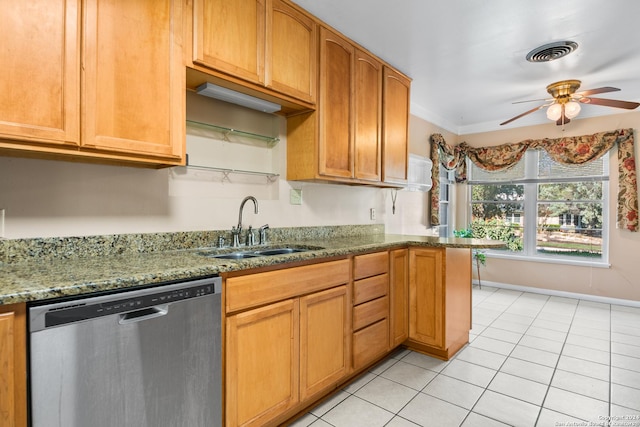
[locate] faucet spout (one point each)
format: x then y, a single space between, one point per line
255 204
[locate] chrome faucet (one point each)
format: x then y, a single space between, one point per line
237 230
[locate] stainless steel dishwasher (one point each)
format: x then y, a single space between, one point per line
148 357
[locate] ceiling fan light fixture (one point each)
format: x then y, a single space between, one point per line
554 112
571 109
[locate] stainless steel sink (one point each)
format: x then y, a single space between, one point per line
234 255
279 251
254 253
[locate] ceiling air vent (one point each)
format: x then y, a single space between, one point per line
551 51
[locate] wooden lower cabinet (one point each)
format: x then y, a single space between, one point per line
281 355
13 366
399 296
439 300
324 340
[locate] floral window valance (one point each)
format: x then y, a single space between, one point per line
570 150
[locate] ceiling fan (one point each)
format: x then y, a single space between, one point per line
565 104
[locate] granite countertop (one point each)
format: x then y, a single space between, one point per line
44 277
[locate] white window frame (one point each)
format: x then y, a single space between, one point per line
530 183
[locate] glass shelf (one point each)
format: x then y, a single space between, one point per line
230 135
270 177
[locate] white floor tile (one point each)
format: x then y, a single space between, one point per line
529 370
581 384
454 391
625 396
321 423
490 344
583 353
409 375
588 342
621 411
426 410
541 344
359 382
625 338
625 349
387 394
551 324
587 331
536 356
502 335
477 420
625 377
548 334
519 388
625 362
481 357
424 361
584 367
627 328
355 412
400 422
328 403
378 368
517 318
507 409
575 405
552 418
465 371
304 421
510 326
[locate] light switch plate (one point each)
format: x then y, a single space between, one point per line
295 196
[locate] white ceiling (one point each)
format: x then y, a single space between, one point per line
467 58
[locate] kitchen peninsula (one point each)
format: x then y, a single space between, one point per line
352 296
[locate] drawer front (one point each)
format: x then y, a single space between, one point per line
252 290
370 312
370 343
371 288
370 264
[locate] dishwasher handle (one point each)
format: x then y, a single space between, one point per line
144 314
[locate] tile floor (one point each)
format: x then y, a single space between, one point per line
532 360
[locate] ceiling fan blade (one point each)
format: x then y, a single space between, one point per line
610 103
523 114
597 90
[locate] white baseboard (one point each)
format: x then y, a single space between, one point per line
586 297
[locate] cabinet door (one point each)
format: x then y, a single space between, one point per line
229 36
324 339
134 78
395 128
426 296
13 366
291 52
40 85
262 363
368 112
399 283
336 94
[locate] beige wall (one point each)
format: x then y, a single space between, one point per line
622 279
45 198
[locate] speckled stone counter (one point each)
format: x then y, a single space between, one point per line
38 269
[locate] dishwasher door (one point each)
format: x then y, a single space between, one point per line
150 357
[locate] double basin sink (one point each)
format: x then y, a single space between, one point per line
254 253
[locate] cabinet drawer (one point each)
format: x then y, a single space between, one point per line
371 288
370 264
370 342
370 312
261 288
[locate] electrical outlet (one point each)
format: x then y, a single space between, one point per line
372 214
295 196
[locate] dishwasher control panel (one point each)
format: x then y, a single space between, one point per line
84 309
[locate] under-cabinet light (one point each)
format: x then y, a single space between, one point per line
228 95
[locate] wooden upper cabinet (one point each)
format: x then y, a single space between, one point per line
13 366
229 36
395 128
269 43
40 84
134 78
368 116
336 147
291 52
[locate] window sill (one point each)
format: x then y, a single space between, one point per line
549 260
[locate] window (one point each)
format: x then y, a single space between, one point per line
542 208
446 185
